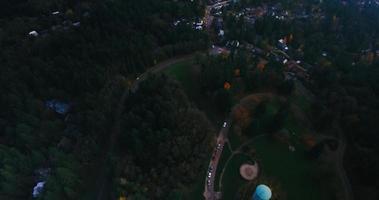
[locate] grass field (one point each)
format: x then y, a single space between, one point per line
182 71
221 163
232 181
292 169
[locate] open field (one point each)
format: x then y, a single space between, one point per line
183 72
232 181
292 169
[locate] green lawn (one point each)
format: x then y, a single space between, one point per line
263 119
291 169
292 125
234 139
182 71
221 163
232 181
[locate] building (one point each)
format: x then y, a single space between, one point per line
262 192
33 33
38 189
59 107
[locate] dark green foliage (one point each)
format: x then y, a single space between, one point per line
76 65
167 136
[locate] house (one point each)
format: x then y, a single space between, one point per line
216 50
221 33
58 106
199 28
297 69
38 189
33 33
233 44
282 45
200 23
176 23
76 24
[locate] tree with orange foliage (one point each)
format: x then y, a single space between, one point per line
227 85
241 116
309 141
262 65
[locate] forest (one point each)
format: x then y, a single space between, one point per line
64 65
165 142
59 87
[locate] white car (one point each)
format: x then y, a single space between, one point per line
225 124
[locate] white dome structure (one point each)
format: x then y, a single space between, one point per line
262 192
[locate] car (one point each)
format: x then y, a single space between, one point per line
225 124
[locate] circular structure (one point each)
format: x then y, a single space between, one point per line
262 192
248 171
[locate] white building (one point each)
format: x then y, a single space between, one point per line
221 33
33 33
76 24
38 189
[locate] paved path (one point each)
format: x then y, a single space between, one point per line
209 192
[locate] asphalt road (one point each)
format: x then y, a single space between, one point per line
209 192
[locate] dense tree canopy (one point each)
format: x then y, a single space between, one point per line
166 139
72 60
